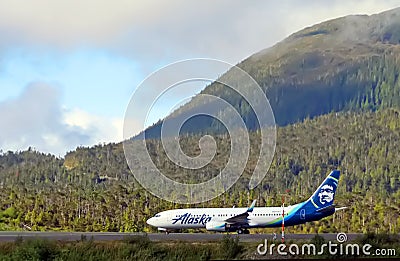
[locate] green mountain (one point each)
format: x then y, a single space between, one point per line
349 63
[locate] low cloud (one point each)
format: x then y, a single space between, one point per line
163 31
100 129
36 119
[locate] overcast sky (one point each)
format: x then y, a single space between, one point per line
68 68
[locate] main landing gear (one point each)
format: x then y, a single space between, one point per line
243 231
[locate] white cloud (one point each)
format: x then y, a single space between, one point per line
101 129
36 119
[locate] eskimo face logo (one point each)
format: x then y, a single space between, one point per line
326 194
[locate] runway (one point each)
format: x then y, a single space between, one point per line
157 237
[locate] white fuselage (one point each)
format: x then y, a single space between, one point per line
198 217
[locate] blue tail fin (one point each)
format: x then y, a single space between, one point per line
325 194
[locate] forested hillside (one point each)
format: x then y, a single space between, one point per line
92 189
349 63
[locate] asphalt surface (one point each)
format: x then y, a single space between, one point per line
193 237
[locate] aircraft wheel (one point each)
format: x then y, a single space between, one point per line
246 231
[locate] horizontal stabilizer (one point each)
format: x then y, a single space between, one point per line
341 208
326 209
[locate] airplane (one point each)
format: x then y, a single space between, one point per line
318 206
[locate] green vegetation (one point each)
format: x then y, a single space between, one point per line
140 248
92 189
134 248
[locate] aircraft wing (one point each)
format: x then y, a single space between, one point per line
241 218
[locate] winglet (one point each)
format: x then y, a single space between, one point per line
250 209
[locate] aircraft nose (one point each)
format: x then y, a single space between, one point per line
151 221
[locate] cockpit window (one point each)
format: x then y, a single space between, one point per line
158 215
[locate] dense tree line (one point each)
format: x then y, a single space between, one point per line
92 189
